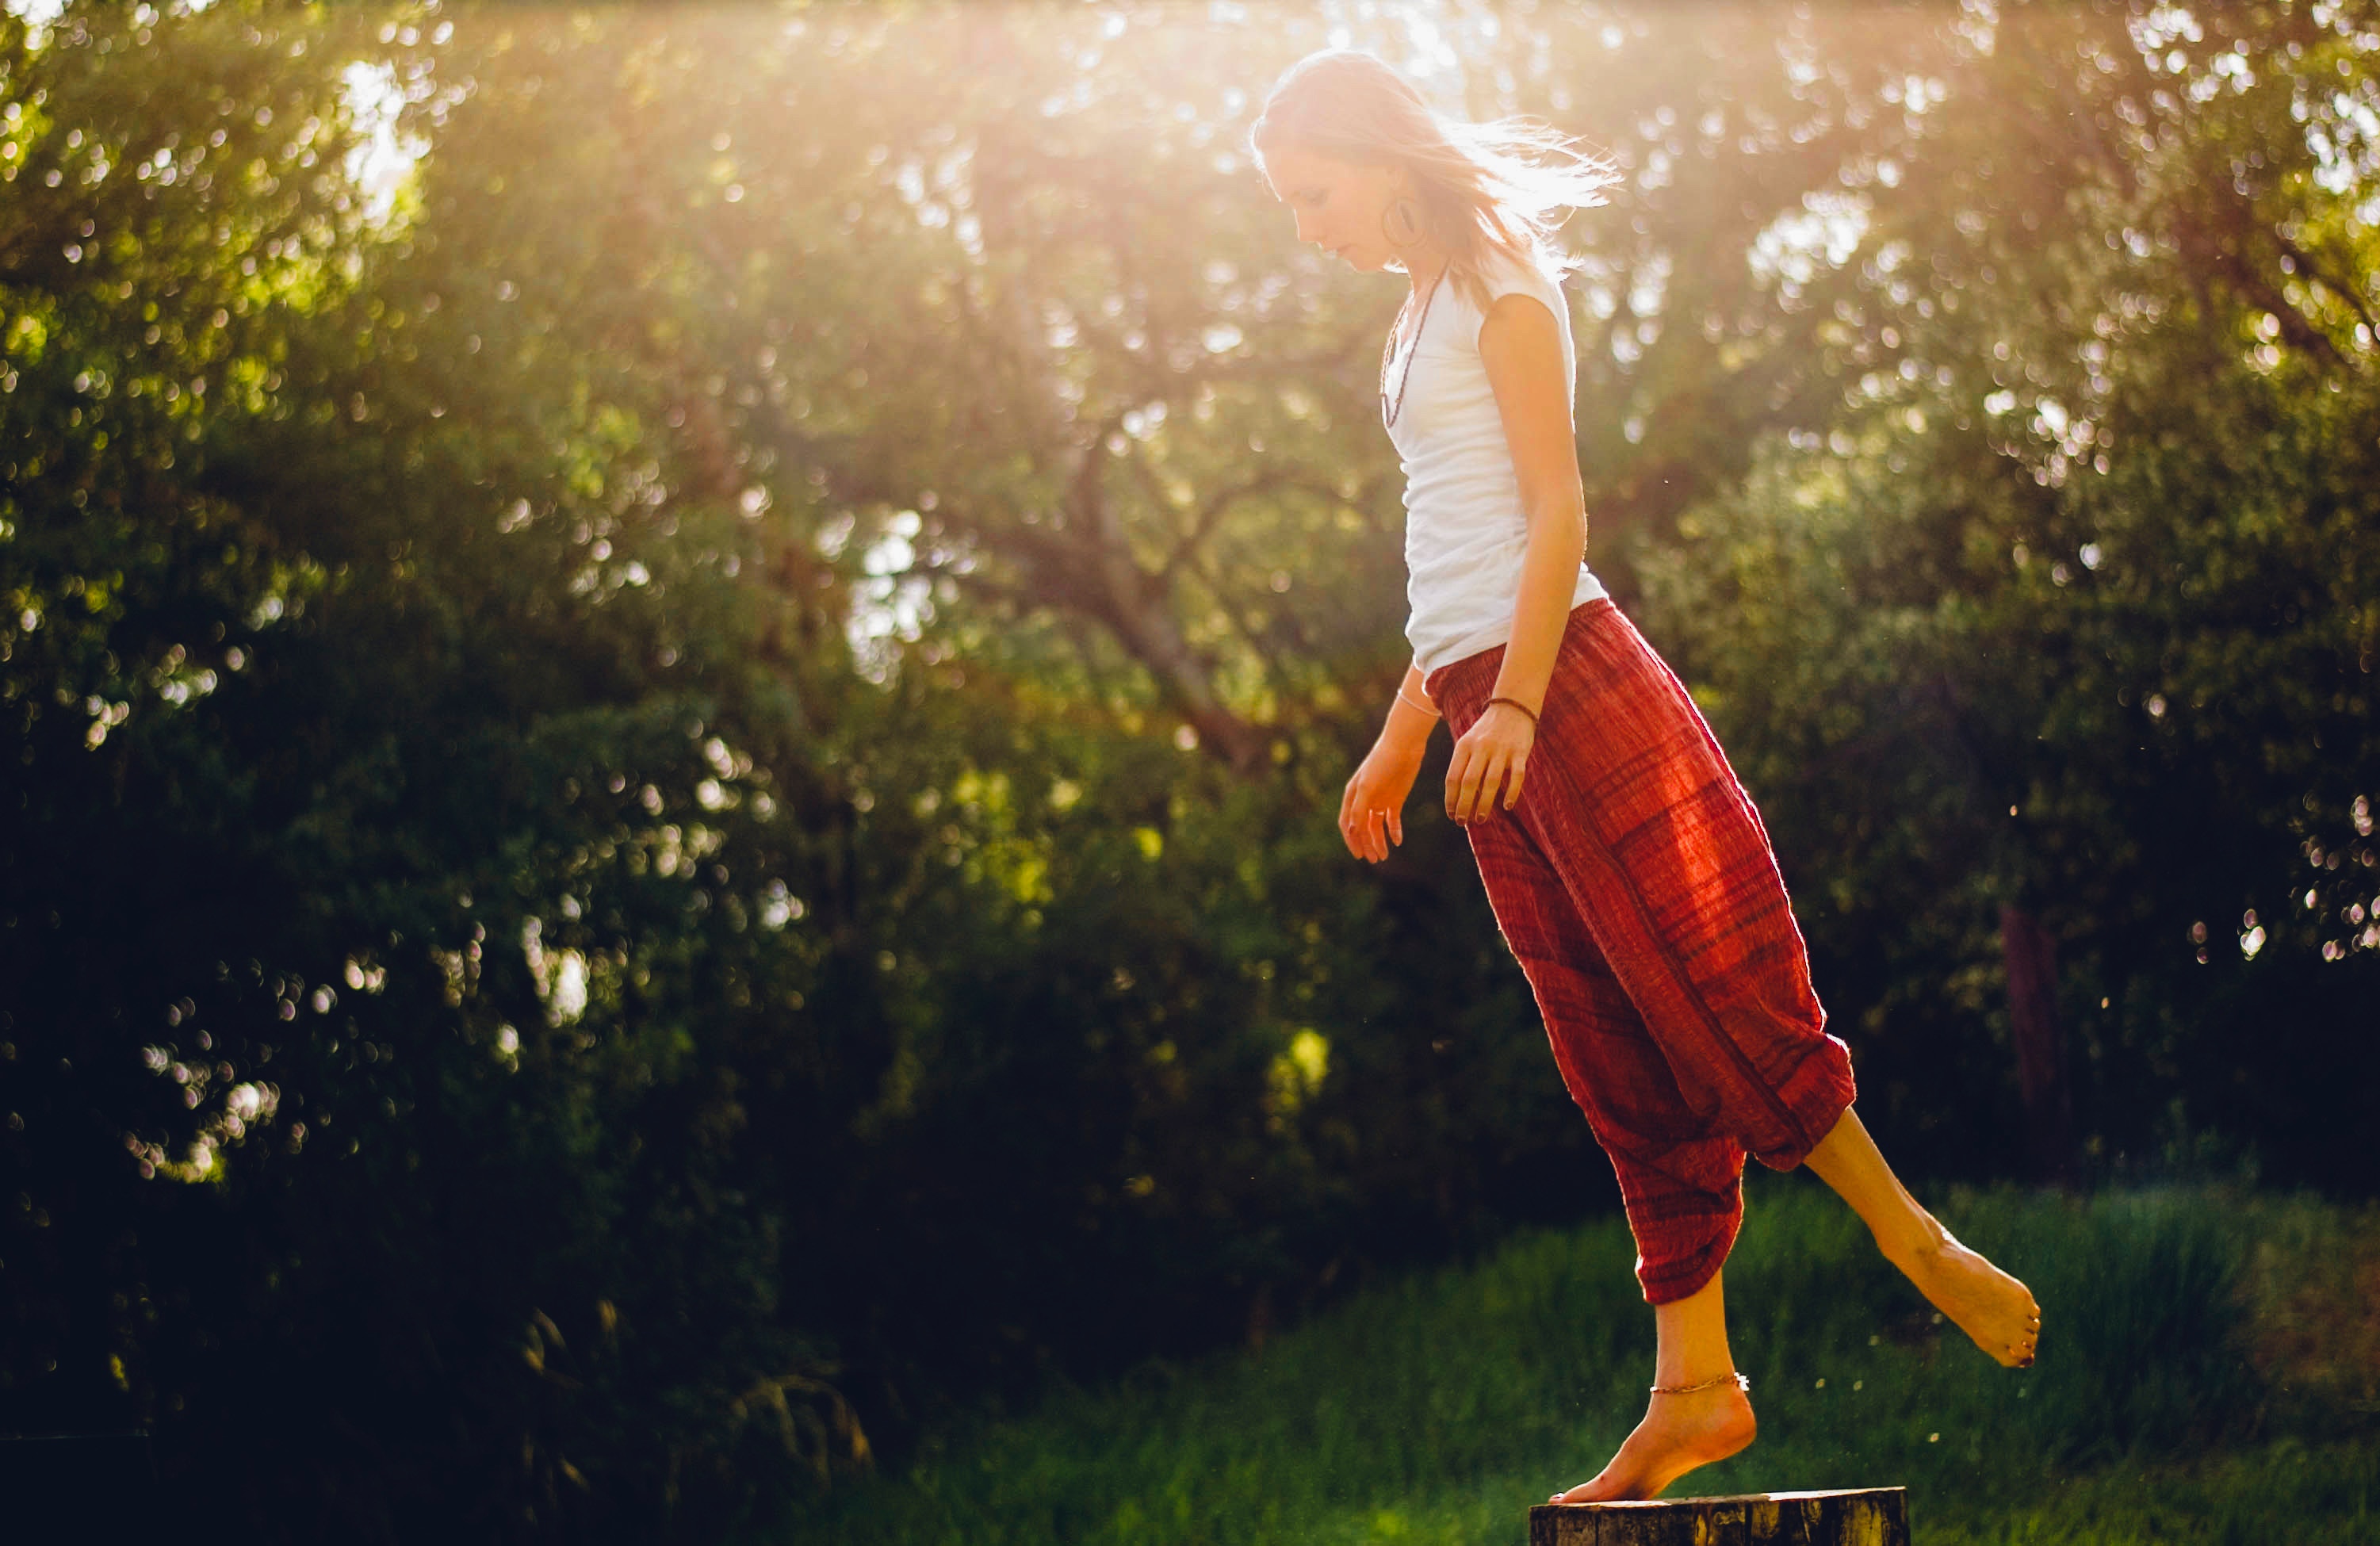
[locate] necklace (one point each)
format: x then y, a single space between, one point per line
1389 410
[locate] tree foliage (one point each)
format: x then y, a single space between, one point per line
669 783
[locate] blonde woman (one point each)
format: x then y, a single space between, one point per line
1628 871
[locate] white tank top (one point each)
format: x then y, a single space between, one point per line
1465 532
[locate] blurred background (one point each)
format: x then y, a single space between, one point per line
673 679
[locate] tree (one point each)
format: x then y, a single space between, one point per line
2059 639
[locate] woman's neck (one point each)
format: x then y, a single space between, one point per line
1422 268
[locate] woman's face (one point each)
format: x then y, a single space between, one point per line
1338 204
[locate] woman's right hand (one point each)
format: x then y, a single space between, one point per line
1371 813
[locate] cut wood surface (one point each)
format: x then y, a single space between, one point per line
1868 1516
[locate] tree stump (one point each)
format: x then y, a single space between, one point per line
1870 1517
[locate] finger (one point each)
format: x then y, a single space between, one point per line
1483 789
1467 793
1491 776
1513 790
1461 788
1490 781
1372 836
1396 825
1454 769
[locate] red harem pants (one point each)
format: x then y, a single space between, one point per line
1634 883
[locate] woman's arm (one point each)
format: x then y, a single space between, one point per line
1412 716
1548 579
1371 812
1520 344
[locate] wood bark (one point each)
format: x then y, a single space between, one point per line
1870 1517
2031 955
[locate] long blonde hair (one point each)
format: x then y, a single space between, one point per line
1504 186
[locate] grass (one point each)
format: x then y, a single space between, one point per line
2201 1356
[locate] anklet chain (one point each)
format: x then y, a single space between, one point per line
1730 1379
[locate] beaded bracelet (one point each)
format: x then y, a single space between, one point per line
1518 704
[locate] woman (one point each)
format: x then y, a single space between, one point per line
1628 871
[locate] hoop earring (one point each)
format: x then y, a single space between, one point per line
1404 210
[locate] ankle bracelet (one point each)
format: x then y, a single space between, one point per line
1730 1379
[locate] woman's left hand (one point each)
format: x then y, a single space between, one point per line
1490 757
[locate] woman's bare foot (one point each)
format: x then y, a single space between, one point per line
1679 1433
1987 1304
1983 1301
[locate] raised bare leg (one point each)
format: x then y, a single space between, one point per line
1994 1308
1680 1432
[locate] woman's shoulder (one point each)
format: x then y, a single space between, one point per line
1500 273
1533 270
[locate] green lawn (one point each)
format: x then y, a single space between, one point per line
1438 1408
